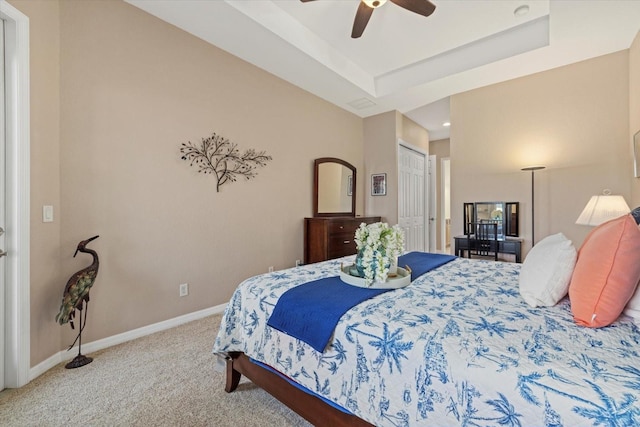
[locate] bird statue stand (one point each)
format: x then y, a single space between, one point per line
76 297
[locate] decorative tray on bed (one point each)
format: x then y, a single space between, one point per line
348 274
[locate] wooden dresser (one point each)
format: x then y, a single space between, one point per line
331 237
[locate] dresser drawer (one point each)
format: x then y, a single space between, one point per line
343 227
341 244
331 237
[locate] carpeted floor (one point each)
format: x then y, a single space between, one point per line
165 379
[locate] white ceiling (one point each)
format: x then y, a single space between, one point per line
404 61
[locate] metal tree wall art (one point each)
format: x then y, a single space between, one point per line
220 157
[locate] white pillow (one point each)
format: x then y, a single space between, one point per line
546 271
632 308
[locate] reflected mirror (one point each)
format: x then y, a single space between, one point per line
334 187
504 214
491 212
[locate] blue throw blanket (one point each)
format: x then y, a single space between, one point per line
311 311
423 262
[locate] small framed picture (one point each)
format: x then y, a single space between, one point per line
350 185
379 184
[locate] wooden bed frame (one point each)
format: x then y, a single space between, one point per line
311 408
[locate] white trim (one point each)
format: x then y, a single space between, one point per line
443 203
94 346
3 222
432 203
17 308
412 147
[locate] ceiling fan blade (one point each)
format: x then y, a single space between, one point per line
421 7
362 18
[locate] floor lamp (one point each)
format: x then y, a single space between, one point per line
533 169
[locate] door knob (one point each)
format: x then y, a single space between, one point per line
1 231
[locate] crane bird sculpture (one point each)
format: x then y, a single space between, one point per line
76 297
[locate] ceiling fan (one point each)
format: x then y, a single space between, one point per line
365 9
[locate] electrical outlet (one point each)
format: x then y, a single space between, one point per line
298 263
184 289
271 269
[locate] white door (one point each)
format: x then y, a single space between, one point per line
432 205
411 197
14 173
2 208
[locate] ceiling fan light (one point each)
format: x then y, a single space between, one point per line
374 3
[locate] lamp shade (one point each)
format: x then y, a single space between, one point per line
603 208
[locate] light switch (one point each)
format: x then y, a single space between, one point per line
47 213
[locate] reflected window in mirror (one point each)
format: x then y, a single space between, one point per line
334 187
505 214
491 212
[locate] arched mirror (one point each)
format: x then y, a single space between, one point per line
334 183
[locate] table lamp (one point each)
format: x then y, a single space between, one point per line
602 208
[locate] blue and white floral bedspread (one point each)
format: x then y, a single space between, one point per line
456 347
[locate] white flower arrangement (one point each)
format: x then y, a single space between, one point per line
379 245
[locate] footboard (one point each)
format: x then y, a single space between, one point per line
306 405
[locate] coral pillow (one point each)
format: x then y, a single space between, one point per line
606 273
546 271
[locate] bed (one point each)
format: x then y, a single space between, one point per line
458 346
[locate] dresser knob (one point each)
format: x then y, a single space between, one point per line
346 242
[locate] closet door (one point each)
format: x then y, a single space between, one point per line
412 198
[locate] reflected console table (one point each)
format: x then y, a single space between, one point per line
508 245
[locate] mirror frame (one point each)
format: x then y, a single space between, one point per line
469 216
316 164
512 223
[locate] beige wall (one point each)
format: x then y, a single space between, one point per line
380 157
413 133
115 92
381 135
634 108
574 120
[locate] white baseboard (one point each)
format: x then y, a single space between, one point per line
94 346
